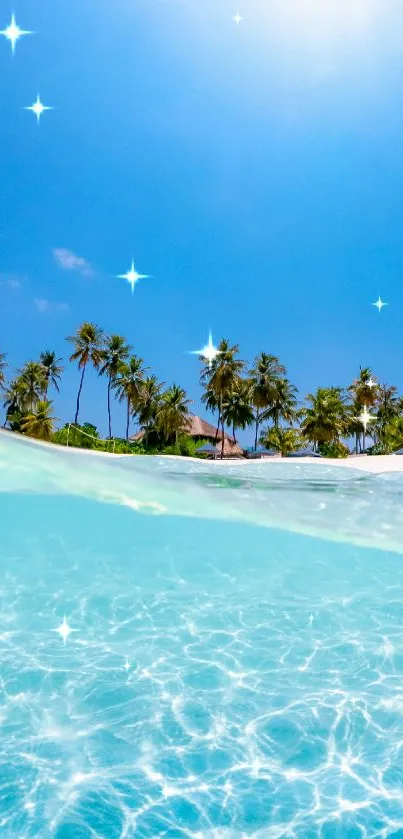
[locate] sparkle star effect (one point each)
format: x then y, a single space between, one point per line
209 352
379 304
237 18
64 630
365 418
13 33
132 277
370 383
37 108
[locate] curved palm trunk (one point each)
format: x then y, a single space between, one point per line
222 441
146 429
233 432
79 395
218 427
128 419
257 423
109 408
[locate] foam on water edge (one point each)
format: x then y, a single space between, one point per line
223 679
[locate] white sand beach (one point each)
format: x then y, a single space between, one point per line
374 464
365 463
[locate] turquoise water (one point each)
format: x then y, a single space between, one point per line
236 661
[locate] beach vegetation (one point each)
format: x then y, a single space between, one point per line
220 376
127 384
3 368
39 422
52 370
88 343
282 440
114 354
259 398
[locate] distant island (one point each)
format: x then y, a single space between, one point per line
242 396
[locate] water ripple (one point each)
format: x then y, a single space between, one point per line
221 679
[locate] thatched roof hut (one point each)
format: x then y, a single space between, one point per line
231 449
197 428
200 429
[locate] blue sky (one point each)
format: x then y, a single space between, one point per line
255 171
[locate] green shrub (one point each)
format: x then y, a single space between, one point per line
335 449
185 447
173 450
86 436
75 438
380 448
188 446
14 420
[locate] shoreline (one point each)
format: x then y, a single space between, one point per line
375 464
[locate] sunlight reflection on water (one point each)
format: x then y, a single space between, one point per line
222 679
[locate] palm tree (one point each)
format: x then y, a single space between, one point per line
32 385
264 377
149 400
14 398
114 355
325 418
364 388
220 377
284 402
212 403
172 416
393 438
354 425
237 409
127 384
52 368
88 345
39 423
364 392
388 408
283 440
3 367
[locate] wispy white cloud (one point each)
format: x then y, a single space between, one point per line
44 306
10 280
69 261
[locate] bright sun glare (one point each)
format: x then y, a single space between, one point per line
326 20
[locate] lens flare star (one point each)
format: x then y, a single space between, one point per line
64 630
13 33
237 18
365 418
208 353
132 277
37 108
379 304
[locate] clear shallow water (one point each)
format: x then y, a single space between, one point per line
223 679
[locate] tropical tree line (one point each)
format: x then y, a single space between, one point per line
258 396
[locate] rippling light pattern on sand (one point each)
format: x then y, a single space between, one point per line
222 679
